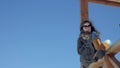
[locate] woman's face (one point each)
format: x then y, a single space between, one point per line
87 27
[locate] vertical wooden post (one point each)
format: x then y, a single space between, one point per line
84 10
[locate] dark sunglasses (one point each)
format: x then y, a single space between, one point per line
86 25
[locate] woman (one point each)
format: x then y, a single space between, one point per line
85 46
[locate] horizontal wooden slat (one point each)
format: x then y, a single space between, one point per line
107 2
114 0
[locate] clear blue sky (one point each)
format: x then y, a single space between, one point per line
43 33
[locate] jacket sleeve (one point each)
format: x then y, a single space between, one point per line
80 46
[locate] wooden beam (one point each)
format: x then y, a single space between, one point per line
115 0
114 61
107 2
84 9
115 49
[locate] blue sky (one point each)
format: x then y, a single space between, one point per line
43 33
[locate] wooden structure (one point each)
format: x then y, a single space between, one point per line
84 6
108 61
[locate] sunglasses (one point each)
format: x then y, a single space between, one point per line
86 25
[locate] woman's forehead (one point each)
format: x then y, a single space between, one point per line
87 23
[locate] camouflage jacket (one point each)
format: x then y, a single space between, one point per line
85 48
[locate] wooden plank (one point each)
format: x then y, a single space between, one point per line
114 0
114 62
84 9
107 2
114 49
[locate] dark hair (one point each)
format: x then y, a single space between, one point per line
92 27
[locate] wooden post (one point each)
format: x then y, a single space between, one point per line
84 10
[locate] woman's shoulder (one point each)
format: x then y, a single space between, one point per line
95 34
